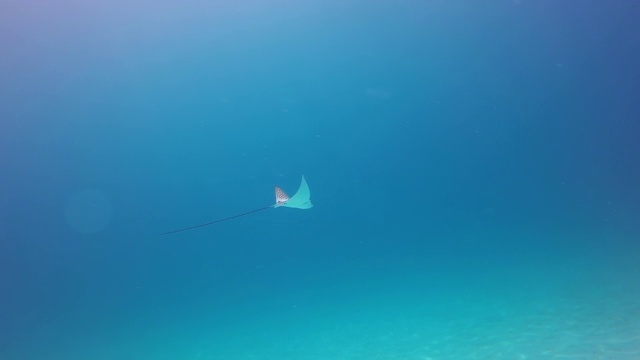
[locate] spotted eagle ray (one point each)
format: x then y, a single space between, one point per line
300 200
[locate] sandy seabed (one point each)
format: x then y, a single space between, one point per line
575 315
566 312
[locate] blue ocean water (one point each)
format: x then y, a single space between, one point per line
472 164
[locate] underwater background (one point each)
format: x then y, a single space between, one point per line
473 166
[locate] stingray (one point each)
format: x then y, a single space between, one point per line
300 200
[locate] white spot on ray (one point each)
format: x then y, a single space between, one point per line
281 197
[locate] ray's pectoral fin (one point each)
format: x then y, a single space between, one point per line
300 200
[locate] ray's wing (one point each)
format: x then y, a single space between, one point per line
302 198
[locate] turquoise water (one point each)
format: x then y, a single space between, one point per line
472 167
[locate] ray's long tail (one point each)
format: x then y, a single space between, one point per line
217 221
